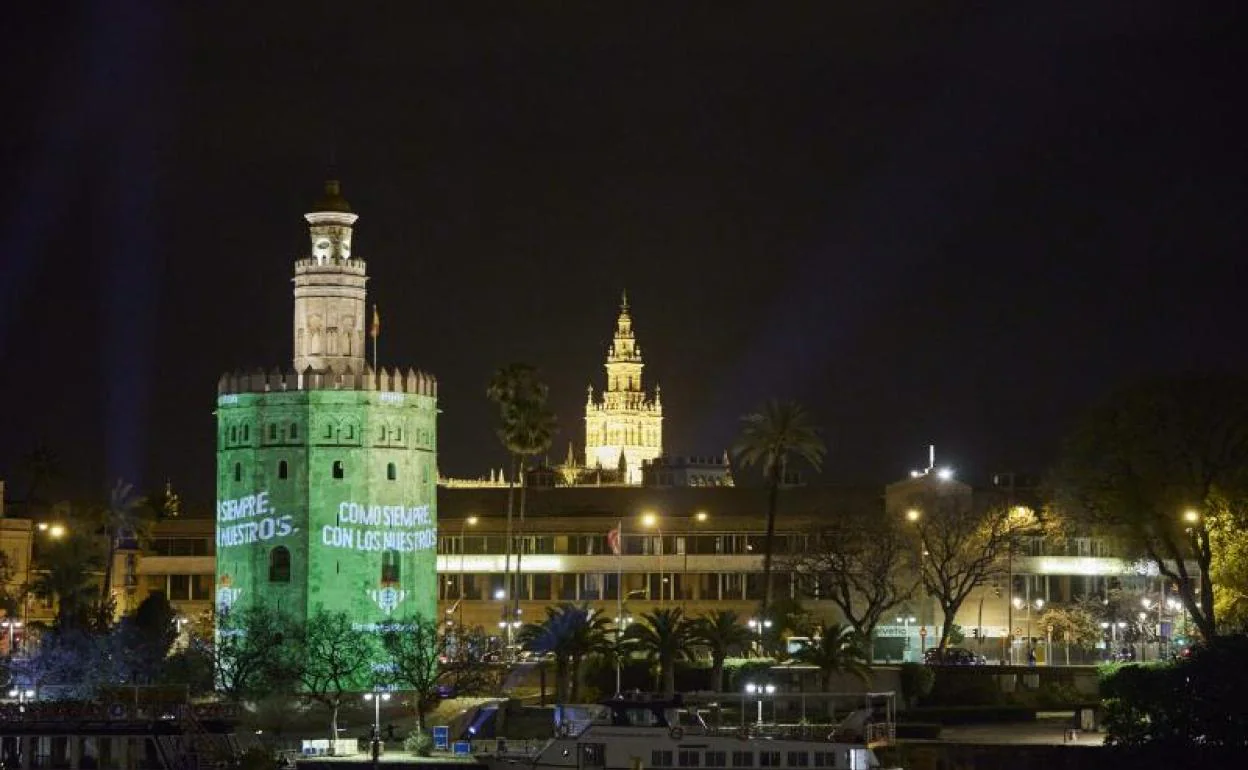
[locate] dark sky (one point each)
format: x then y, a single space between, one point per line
929 222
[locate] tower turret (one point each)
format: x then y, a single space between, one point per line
330 290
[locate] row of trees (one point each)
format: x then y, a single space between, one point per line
570 634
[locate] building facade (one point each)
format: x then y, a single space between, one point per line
327 473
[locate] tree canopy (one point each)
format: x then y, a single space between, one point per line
1165 464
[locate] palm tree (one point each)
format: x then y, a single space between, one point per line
569 634
836 648
68 569
667 636
720 632
772 438
126 517
528 427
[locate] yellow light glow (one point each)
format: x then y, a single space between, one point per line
701 516
472 521
912 514
1191 516
649 519
56 530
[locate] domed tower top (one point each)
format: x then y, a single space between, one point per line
331 199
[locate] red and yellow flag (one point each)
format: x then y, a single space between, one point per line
376 330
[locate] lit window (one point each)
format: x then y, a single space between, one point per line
392 472
338 472
279 565
282 469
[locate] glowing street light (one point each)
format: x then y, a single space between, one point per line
651 519
376 696
1191 516
701 516
759 626
913 514
944 474
760 690
471 521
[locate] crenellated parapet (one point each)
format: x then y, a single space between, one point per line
332 265
383 380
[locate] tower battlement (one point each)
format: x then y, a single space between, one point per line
384 380
332 265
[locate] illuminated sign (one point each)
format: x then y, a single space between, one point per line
381 528
259 521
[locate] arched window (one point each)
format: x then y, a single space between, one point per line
246 432
238 471
392 472
272 431
389 567
233 433
282 469
279 565
338 470
294 431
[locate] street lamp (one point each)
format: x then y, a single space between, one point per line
759 626
651 519
471 521
376 696
22 696
913 515
12 624
905 621
760 690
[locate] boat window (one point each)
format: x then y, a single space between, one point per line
661 759
742 759
859 759
769 759
593 755
688 758
825 759
799 759
716 759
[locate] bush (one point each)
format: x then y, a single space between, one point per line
418 743
256 758
916 682
964 686
738 671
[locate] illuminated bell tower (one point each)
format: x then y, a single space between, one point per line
329 291
626 427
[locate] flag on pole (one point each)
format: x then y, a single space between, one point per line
376 330
613 540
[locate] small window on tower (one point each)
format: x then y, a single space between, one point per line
389 567
279 565
392 472
294 431
282 469
272 431
338 471
246 432
233 433
238 471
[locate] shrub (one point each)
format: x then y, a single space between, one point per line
964 686
418 743
256 758
916 682
970 715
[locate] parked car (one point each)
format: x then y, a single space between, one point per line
953 656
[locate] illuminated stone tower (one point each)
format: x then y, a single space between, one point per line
329 291
626 426
326 474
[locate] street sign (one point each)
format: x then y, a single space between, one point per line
441 738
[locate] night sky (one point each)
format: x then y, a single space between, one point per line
928 222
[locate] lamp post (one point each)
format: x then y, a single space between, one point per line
12 624
22 696
759 626
760 690
651 519
471 521
376 696
905 621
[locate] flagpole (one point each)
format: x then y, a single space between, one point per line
376 334
619 602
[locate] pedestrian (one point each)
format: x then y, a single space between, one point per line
1031 656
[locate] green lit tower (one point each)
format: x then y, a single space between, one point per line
326 472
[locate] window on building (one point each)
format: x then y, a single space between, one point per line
689 758
233 433
392 472
541 586
282 469
272 431
799 759
742 759
338 470
716 759
279 565
294 431
389 567
246 432
238 471
768 759
179 588
661 758
202 588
